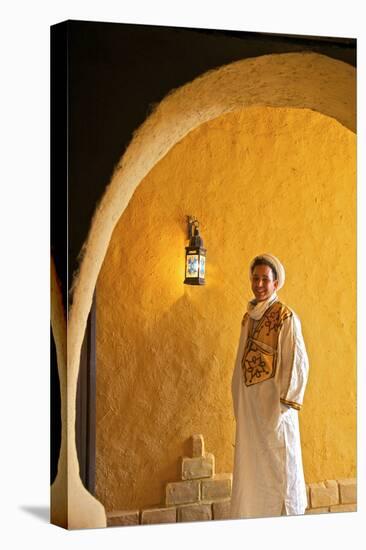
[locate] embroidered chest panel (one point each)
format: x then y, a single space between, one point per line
259 362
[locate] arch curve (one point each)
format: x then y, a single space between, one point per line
299 80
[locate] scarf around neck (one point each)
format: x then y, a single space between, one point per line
257 309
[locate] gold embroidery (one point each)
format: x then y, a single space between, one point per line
291 404
259 360
259 364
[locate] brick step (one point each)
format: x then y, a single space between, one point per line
202 495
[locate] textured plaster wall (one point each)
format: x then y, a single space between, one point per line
259 179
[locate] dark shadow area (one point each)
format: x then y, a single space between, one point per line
86 404
55 420
40 512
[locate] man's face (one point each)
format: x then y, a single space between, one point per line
263 285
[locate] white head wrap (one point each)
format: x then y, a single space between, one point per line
276 264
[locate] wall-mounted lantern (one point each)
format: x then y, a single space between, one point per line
195 255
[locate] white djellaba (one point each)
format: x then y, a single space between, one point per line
268 478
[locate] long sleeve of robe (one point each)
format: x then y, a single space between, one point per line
268 472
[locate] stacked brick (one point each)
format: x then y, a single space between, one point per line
332 496
202 495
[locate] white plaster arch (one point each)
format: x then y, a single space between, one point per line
298 80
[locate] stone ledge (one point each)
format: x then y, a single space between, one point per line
159 515
182 492
123 517
217 488
344 508
322 510
221 509
347 491
198 446
198 467
195 512
323 494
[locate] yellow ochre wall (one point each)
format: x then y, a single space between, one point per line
260 179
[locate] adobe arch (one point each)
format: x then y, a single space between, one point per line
298 80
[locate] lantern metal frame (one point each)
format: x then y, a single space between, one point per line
195 259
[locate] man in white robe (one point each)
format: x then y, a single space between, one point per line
268 385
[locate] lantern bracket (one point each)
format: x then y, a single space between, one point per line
193 224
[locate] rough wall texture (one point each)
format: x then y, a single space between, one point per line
259 179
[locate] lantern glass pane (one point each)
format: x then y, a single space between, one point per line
192 265
202 266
